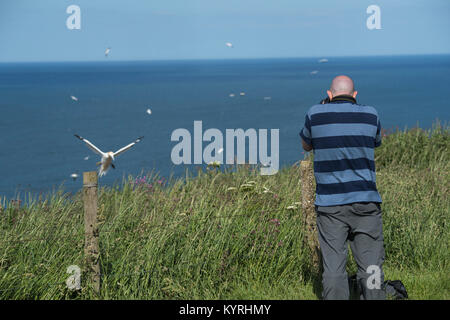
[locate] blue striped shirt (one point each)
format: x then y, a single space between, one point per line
343 136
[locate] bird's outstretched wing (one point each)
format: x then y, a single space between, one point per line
127 147
90 145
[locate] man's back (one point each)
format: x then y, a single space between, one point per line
343 135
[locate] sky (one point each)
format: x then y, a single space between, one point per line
36 31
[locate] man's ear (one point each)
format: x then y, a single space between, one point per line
330 95
354 94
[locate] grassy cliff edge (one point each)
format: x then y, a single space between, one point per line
229 235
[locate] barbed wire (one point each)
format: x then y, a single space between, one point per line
38 239
101 231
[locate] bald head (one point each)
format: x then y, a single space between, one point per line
341 85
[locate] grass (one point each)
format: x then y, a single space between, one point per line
228 235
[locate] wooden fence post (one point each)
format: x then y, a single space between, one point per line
309 214
91 248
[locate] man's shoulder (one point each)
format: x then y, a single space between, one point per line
368 108
318 108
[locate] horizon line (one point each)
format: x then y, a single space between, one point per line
225 59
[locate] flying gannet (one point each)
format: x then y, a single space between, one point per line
229 44
107 51
107 157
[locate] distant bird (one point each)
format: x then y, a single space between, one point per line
314 72
229 44
107 51
74 98
231 95
107 157
242 93
149 111
86 158
74 176
323 60
267 98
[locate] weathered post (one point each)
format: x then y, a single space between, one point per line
91 248
309 214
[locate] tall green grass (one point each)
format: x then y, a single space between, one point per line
415 148
228 235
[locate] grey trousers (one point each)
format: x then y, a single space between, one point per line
361 225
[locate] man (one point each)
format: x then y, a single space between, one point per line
343 135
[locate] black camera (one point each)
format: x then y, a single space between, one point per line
326 100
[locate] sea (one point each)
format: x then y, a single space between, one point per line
116 102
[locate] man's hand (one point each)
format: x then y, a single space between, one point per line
306 146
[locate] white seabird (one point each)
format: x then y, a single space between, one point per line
149 111
74 98
74 176
323 60
229 44
107 51
314 72
107 157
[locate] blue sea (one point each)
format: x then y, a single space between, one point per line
38 150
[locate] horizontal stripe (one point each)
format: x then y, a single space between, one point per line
343 153
344 129
306 132
345 176
318 119
344 164
342 107
351 197
344 142
345 187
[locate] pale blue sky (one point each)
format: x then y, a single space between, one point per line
32 30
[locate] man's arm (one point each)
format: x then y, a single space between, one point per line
378 135
305 134
306 146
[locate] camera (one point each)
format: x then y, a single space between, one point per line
324 101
